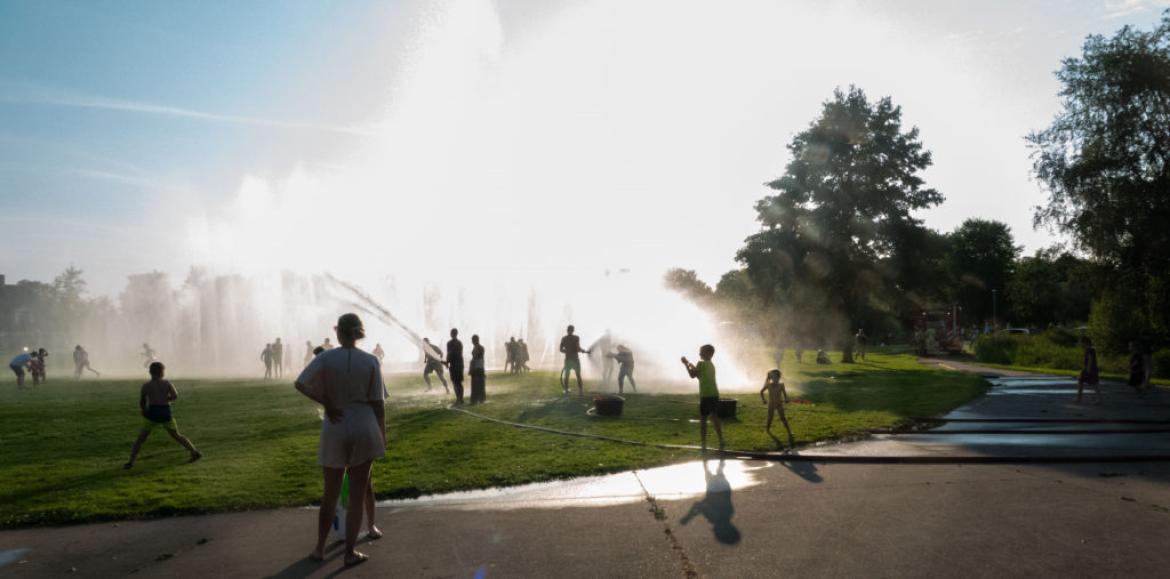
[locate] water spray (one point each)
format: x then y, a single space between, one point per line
367 304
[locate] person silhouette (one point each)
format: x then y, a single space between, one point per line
455 364
433 362
477 372
570 347
716 506
605 343
277 358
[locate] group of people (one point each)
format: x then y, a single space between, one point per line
516 356
1141 368
274 356
33 361
571 347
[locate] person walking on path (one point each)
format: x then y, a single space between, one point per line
477 372
348 383
154 401
309 352
1140 367
18 365
81 362
379 353
433 362
570 347
455 364
708 393
1089 373
777 398
860 341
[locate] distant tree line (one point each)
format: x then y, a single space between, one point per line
839 247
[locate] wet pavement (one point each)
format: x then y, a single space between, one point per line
1037 417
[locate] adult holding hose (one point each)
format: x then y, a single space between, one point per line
348 383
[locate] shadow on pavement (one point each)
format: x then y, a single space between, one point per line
804 470
716 506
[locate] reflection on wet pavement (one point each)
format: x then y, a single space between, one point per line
1032 407
680 481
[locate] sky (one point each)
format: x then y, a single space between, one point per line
456 140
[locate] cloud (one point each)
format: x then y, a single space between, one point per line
30 93
1120 8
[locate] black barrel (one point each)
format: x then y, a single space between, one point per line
609 405
726 408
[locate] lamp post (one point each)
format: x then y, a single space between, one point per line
994 316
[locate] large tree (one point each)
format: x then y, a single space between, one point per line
980 260
1105 160
839 210
1050 287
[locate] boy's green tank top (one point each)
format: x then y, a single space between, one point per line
707 386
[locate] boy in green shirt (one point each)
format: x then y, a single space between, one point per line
708 393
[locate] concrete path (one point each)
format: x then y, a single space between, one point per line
719 519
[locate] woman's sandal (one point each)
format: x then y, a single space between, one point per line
375 533
358 559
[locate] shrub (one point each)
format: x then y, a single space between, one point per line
996 349
1162 364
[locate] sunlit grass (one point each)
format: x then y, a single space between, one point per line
62 445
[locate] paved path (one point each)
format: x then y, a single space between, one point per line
730 519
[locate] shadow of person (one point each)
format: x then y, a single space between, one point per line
716 506
803 469
780 444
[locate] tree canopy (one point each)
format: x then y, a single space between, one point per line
1104 160
840 213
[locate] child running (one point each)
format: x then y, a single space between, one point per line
708 393
155 402
777 397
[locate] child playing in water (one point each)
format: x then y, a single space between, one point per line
777 397
708 393
155 401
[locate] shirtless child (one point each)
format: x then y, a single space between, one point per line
155 401
777 397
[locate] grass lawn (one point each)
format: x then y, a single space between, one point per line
62 445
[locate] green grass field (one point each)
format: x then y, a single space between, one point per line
62 445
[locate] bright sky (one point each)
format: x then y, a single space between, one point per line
453 138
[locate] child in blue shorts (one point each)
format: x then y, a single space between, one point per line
155 401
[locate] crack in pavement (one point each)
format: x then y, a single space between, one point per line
660 515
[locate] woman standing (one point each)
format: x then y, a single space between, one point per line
348 383
476 370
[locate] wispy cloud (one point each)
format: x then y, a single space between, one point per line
29 93
1119 8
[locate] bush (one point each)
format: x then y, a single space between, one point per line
996 349
1063 337
1162 364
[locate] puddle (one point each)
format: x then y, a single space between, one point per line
10 556
673 482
